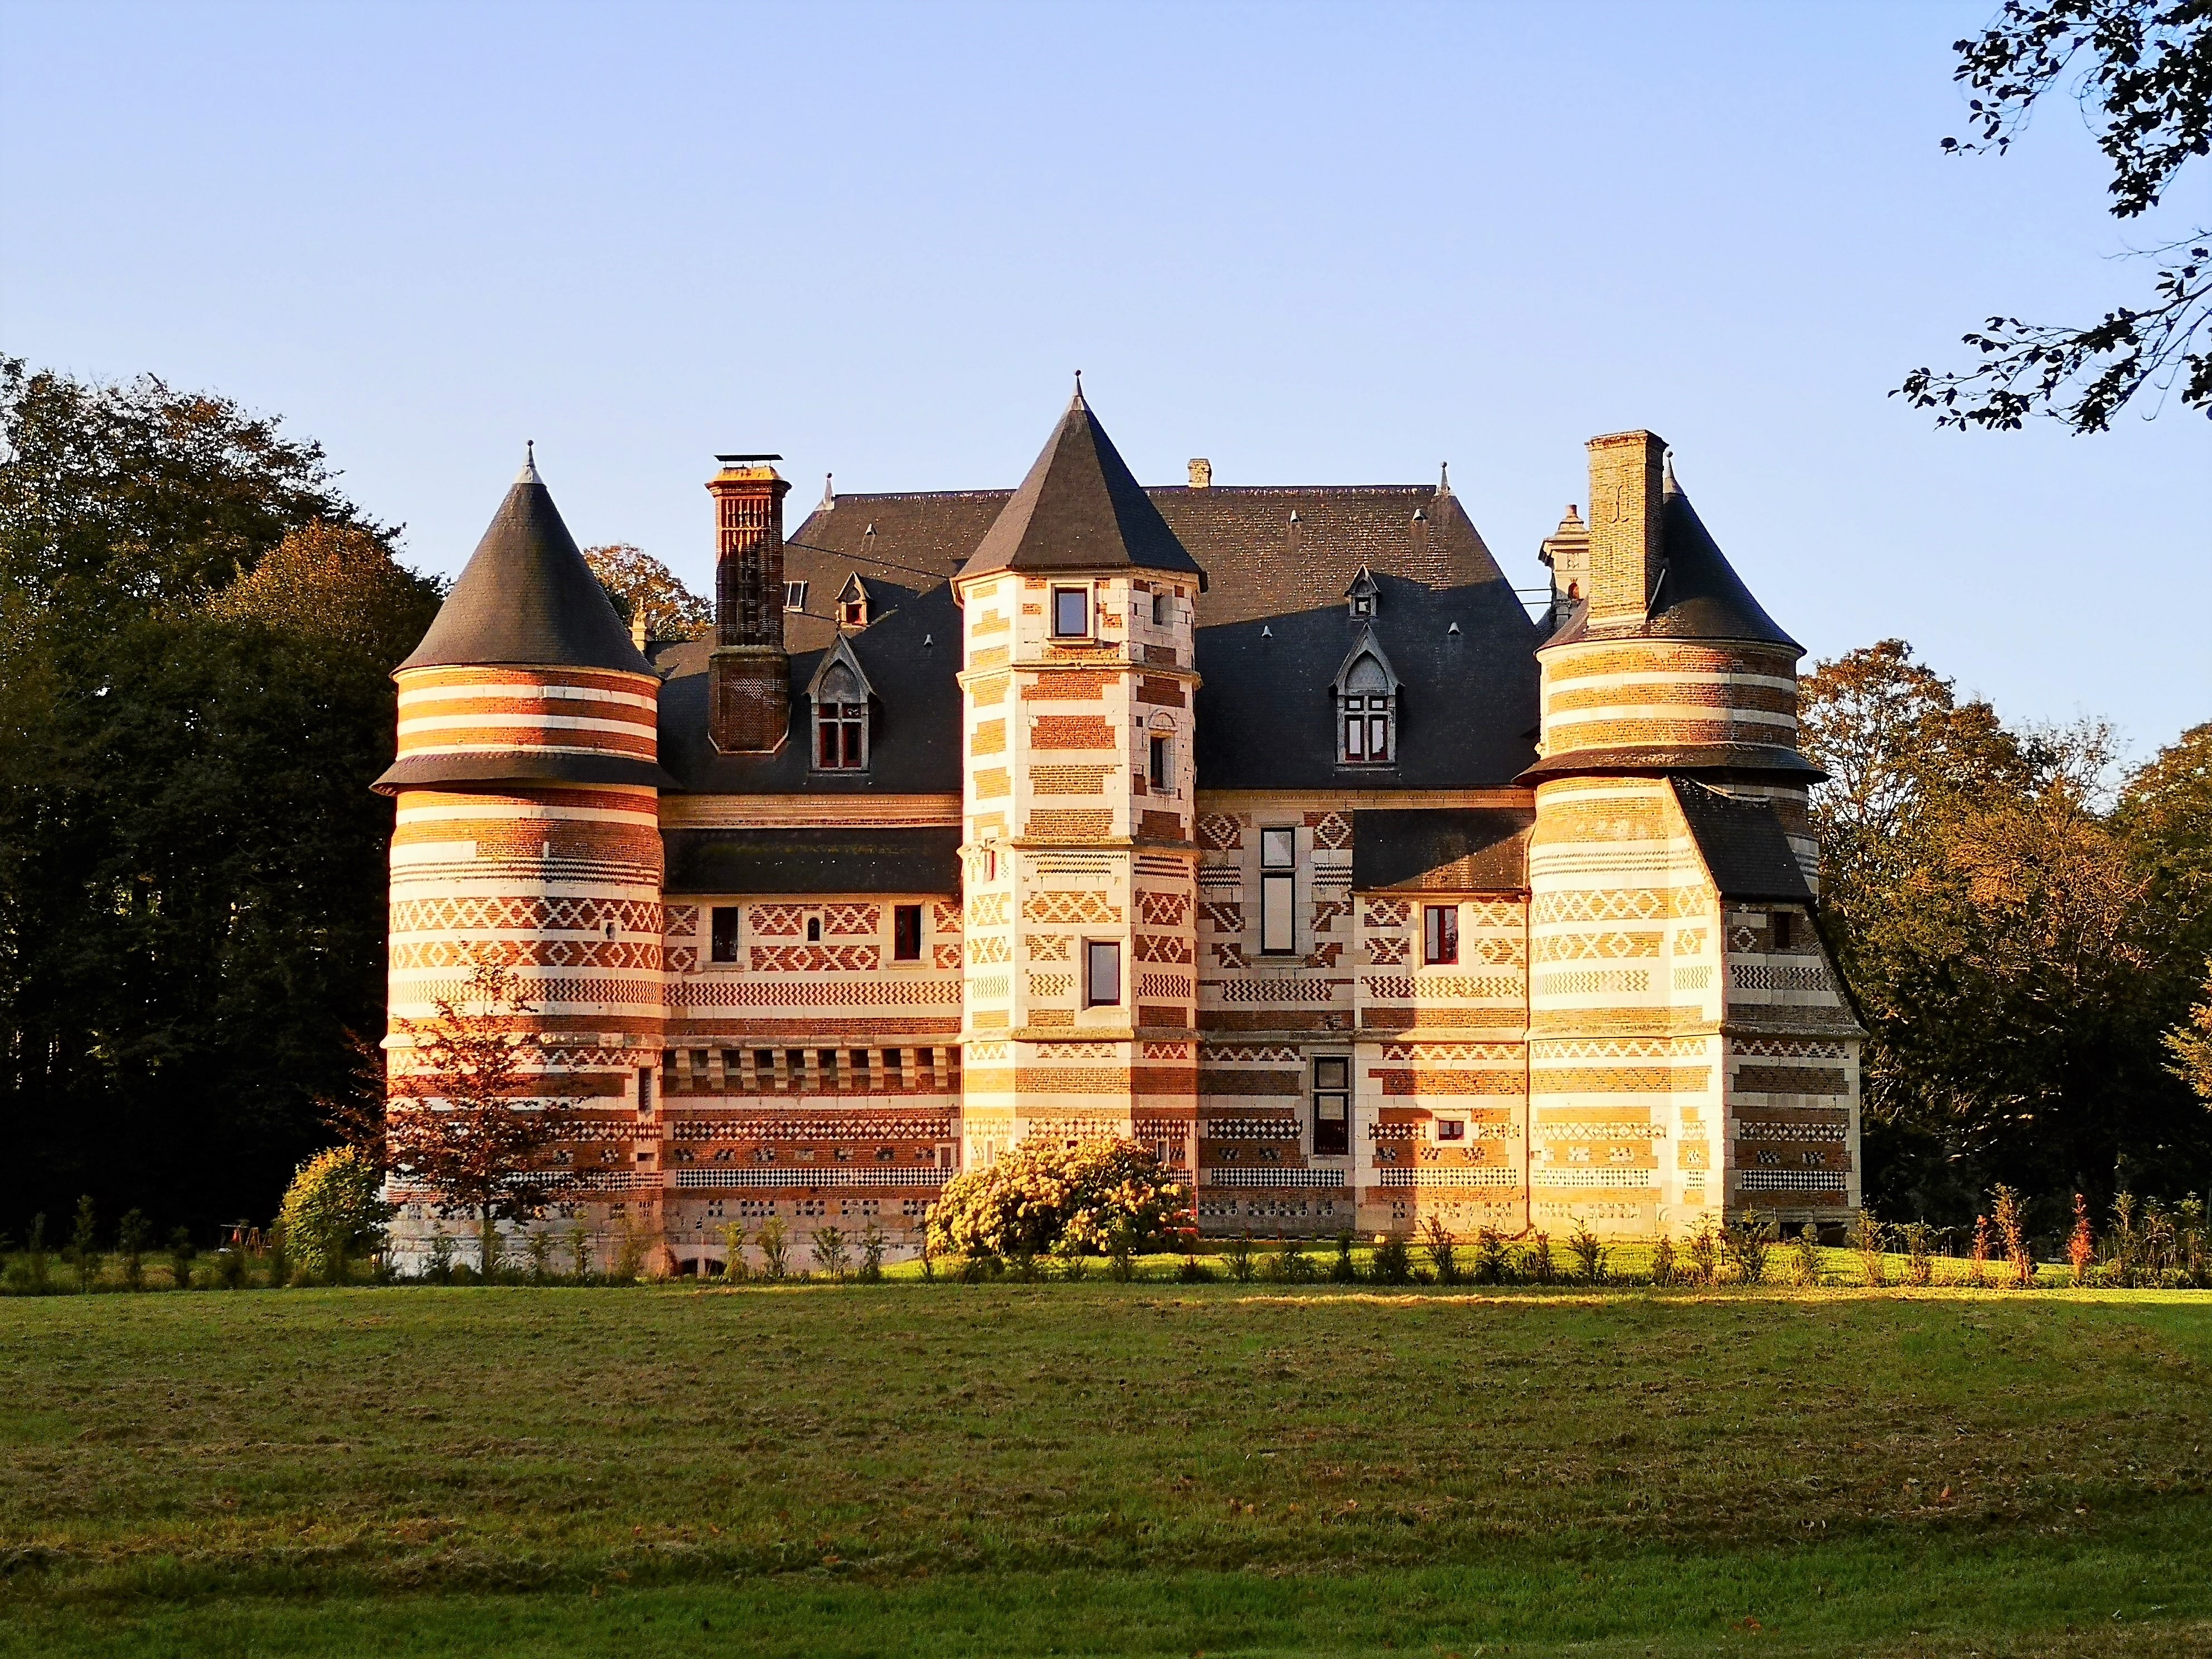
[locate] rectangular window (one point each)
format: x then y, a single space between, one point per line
841 733
794 596
1355 729
1279 931
1378 734
1160 776
1451 1129
1439 933
1162 615
725 947
906 933
1102 973
1781 930
645 1089
1071 613
1331 1119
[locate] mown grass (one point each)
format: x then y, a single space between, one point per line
1102 1468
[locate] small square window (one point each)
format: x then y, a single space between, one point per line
1439 933
724 945
906 933
1102 973
1331 1121
1451 1129
1332 1072
1071 613
1278 849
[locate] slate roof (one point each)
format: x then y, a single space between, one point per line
1773 762
1081 508
1445 850
911 861
526 597
1743 844
1273 630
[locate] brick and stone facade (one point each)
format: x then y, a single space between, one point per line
1094 847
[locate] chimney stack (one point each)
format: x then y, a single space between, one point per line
749 706
1201 472
1626 472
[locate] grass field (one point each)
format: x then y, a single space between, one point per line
1105 1470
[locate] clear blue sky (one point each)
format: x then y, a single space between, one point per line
1313 243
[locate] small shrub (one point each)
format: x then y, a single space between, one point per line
1704 1254
2012 1225
1292 1265
928 1256
2194 1265
1536 1264
1393 1262
733 1251
1342 1270
1043 1192
1238 1256
775 1249
977 1266
1919 1254
229 1268
579 1253
1021 1267
2123 1243
2080 1244
539 1250
1074 1267
441 1271
1746 1241
332 1212
1443 1249
1805 1257
1977 1274
1869 1238
873 1242
1589 1253
1665 1271
1122 1260
130 1235
1491 1264
180 1259
85 1243
1194 1272
280 1257
831 1251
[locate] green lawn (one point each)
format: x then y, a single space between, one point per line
1099 1469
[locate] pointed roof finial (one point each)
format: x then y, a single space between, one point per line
1079 403
529 473
1443 478
829 492
1668 486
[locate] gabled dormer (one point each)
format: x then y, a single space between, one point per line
1366 693
1361 597
840 693
853 606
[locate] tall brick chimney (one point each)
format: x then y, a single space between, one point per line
1627 480
748 675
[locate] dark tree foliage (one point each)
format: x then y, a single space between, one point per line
191 865
2142 71
2017 947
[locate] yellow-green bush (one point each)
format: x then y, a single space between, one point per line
332 1213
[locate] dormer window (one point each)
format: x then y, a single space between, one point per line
840 693
794 596
1367 706
1361 596
853 604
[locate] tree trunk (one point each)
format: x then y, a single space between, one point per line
490 1242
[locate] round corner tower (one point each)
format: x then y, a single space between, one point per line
1692 1058
527 834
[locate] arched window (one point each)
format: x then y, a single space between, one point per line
841 716
1367 727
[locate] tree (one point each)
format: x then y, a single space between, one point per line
2004 938
2191 1045
2145 86
1044 1195
195 635
637 582
466 1121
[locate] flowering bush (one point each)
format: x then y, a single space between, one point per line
332 1212
1044 1195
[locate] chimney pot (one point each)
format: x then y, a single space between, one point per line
1201 472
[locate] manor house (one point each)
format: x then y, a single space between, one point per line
1260 825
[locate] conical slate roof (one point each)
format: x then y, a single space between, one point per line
1080 508
526 597
1699 595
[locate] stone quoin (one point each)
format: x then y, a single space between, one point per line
1261 826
